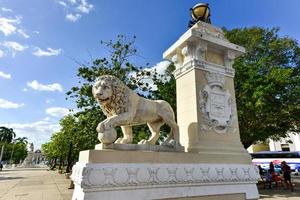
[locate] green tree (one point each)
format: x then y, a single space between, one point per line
267 84
16 151
57 148
6 137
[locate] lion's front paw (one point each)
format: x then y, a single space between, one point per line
144 142
123 141
118 141
100 127
107 124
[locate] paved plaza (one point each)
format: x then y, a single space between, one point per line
40 184
33 184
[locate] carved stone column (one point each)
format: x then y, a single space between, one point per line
206 105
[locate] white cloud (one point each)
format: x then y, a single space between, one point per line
49 52
2 54
160 69
8 25
25 90
6 10
4 75
13 47
57 111
62 3
75 8
85 7
38 132
49 101
9 105
23 33
73 18
44 87
72 1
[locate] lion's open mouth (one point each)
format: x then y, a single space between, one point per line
103 100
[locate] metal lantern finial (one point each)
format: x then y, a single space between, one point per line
200 12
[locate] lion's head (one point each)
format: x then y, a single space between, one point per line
109 92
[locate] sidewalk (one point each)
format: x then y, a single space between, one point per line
33 184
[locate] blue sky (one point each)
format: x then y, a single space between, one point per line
40 39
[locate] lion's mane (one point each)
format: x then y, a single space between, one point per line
118 103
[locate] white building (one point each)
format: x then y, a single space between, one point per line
290 143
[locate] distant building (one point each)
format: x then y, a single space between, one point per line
290 143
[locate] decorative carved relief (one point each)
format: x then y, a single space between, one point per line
187 52
200 51
229 58
207 29
246 173
132 176
205 176
172 175
215 104
220 176
233 172
189 174
153 175
109 174
160 176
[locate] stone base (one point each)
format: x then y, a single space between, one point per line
160 175
141 147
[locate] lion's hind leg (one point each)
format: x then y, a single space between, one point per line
169 119
154 129
174 133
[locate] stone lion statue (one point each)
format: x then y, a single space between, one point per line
124 108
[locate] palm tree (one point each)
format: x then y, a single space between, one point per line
18 141
21 140
6 136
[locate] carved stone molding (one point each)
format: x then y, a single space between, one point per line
205 66
210 30
187 52
115 176
229 58
200 50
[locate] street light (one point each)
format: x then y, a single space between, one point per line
200 12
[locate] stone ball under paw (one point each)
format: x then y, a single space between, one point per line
108 136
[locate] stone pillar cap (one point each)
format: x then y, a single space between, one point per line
207 33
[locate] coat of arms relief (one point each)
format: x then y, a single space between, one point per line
216 104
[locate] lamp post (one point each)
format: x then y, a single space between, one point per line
200 12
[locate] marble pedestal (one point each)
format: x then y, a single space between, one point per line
109 174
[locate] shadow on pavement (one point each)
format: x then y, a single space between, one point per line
9 178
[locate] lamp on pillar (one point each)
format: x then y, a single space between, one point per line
200 12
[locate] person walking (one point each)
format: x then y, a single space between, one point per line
287 175
1 166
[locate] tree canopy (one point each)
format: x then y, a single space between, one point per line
15 149
267 84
